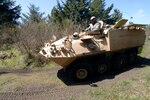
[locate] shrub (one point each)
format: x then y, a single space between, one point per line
31 37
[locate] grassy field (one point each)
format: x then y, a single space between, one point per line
16 61
136 88
13 73
146 48
19 60
13 81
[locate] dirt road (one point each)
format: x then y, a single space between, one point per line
62 88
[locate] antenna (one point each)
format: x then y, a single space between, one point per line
129 17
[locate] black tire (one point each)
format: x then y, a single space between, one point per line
120 61
132 58
102 67
80 71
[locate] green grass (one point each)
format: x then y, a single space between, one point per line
10 82
20 61
17 61
146 48
137 88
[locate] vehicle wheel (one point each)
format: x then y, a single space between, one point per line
103 67
80 72
132 58
120 61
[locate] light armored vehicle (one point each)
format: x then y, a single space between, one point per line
85 53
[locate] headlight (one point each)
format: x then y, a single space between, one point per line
53 49
43 51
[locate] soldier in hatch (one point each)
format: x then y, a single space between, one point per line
95 26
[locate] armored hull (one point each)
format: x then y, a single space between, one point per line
85 49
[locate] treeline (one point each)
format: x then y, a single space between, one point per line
80 11
33 29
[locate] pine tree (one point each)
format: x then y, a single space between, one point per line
34 15
116 16
9 13
75 10
97 8
80 11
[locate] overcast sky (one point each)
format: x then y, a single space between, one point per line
138 9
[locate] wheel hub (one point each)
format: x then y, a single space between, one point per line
102 68
81 73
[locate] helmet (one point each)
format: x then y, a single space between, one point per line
75 33
93 17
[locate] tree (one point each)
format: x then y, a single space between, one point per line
34 15
116 16
97 8
75 10
80 11
9 13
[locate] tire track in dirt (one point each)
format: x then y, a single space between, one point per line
42 93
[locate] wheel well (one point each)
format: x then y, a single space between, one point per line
104 56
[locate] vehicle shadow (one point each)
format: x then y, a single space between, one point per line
141 63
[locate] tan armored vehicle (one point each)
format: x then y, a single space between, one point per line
86 53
